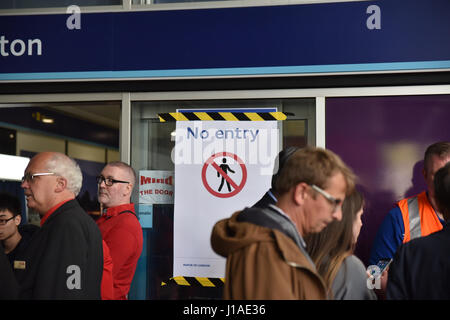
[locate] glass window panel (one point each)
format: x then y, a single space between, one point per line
151 148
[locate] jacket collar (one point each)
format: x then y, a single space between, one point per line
286 235
52 210
294 234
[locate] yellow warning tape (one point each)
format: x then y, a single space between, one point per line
228 116
205 282
203 116
253 116
202 281
222 116
181 281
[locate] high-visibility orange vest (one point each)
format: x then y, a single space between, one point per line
419 217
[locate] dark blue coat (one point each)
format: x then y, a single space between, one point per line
265 201
421 268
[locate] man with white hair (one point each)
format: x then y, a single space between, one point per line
119 225
65 257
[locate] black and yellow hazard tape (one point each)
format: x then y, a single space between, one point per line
221 116
196 281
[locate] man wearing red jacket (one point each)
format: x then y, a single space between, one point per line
118 224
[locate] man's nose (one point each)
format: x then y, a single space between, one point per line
338 213
24 184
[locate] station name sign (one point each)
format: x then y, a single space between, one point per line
359 36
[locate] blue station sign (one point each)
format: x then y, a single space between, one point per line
361 36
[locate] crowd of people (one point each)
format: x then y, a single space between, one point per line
70 256
297 242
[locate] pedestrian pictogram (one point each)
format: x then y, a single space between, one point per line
226 168
225 173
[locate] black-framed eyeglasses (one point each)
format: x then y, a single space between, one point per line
5 221
108 181
334 201
28 177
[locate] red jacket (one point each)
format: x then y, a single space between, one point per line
122 233
107 286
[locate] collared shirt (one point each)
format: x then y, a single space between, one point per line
270 193
53 209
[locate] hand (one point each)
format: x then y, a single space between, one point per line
384 279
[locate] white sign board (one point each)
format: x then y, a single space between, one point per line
221 167
12 167
156 186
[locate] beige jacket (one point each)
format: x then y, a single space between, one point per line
264 263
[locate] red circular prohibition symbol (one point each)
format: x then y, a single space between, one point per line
237 188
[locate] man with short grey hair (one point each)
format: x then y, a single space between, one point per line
65 258
118 224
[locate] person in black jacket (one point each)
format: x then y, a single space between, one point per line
270 197
14 236
9 289
65 257
421 267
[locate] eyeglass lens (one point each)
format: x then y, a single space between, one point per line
5 221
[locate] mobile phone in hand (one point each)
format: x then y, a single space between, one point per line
383 264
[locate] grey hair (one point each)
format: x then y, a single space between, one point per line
67 168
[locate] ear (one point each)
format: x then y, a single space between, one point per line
17 219
61 184
128 190
300 193
424 172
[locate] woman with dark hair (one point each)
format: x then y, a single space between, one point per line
332 251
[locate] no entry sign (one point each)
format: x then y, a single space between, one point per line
220 167
223 171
